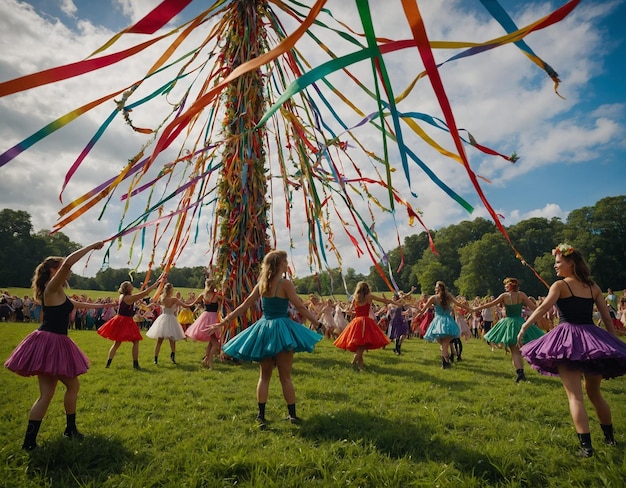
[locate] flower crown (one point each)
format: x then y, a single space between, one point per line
509 280
562 250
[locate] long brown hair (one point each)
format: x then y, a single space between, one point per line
581 268
270 269
43 273
442 293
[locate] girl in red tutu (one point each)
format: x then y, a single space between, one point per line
48 352
577 349
122 327
362 333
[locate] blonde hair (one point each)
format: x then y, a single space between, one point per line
42 275
270 269
168 289
361 291
125 288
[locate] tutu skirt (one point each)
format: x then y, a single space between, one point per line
586 347
167 327
46 353
442 326
205 327
185 316
505 332
120 329
268 337
398 326
425 323
361 332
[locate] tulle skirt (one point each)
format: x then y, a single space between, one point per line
185 316
398 327
505 332
586 347
425 323
361 332
120 329
442 326
205 327
46 353
167 327
267 337
465 331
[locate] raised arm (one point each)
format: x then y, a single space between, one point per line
63 273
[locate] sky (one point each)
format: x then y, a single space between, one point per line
570 147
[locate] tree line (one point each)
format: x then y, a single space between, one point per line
472 258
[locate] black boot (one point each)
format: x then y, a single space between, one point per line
156 359
445 364
260 418
136 364
108 362
585 445
71 432
520 375
173 357
30 439
609 439
293 418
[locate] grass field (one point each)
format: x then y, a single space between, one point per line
402 422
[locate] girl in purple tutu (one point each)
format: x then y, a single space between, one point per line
577 349
48 352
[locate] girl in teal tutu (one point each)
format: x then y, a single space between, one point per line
506 329
577 349
274 338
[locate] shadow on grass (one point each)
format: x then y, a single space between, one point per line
91 461
399 440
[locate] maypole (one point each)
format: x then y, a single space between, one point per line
242 205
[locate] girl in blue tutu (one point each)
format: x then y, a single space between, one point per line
48 352
443 327
274 338
577 349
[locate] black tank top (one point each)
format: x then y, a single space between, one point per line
211 307
56 319
575 310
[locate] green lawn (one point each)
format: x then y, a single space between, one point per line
402 422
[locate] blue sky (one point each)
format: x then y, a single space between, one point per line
571 150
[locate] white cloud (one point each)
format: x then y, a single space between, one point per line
503 99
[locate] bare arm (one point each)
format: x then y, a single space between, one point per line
78 304
546 305
297 302
129 299
54 294
247 303
490 304
603 308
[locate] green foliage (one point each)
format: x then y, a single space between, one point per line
473 257
402 422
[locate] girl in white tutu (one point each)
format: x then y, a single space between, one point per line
48 352
166 325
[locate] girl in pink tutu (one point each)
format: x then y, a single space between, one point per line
122 327
577 349
206 328
48 352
